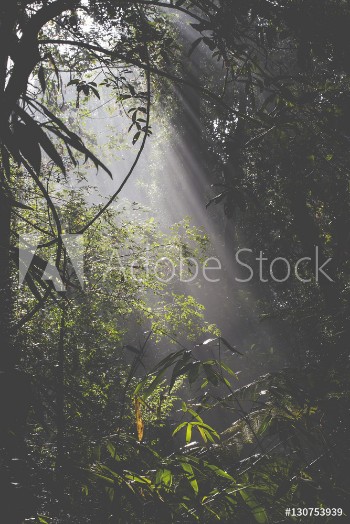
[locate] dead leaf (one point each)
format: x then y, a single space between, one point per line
138 417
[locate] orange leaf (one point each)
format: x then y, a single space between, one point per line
138 416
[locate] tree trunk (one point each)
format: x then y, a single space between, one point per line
59 469
14 396
6 358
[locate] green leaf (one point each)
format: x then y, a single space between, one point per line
152 386
164 476
220 472
94 90
136 137
210 373
41 138
28 145
264 425
228 369
42 80
112 451
20 205
168 361
207 428
194 45
190 476
195 415
193 372
53 63
256 509
210 43
189 432
231 348
204 434
180 426
180 368
69 137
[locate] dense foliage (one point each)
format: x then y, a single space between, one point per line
109 394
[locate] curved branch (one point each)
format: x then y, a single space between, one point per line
27 55
147 126
209 95
154 3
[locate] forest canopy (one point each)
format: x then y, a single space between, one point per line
128 395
